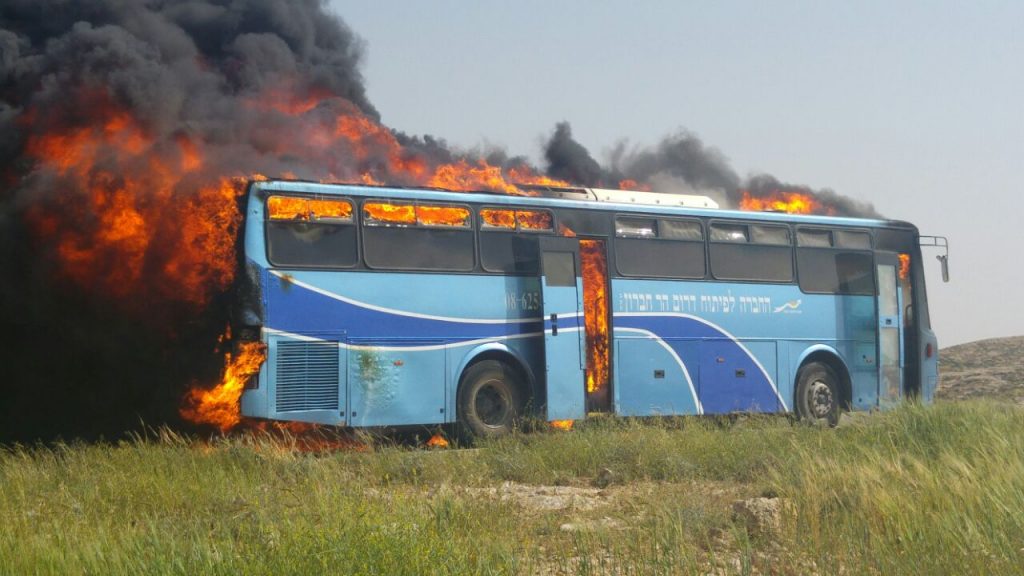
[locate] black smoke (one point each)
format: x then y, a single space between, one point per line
78 360
682 163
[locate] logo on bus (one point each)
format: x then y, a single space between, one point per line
791 307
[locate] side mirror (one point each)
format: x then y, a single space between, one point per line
944 261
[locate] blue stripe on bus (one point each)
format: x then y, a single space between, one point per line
294 308
756 392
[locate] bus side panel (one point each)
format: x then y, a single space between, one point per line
396 383
727 369
657 383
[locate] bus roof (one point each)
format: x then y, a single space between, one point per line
587 198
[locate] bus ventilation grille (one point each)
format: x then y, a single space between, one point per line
307 376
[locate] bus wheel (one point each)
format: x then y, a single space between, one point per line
490 400
817 394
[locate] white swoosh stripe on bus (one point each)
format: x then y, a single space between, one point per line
663 344
302 337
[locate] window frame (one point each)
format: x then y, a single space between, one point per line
791 246
354 222
833 249
512 232
469 228
657 238
516 229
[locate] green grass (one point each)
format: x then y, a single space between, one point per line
919 490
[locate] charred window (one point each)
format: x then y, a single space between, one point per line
835 261
659 247
311 232
751 252
508 241
417 237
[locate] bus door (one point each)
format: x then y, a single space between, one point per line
562 304
890 329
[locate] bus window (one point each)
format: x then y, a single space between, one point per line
635 227
330 210
680 230
417 237
814 238
288 208
384 214
496 218
834 261
728 233
308 232
854 240
758 252
534 220
663 248
503 247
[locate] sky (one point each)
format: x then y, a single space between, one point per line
916 107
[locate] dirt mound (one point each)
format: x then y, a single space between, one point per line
991 368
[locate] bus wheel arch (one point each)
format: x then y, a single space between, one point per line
822 377
493 393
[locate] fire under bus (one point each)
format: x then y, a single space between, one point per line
386 307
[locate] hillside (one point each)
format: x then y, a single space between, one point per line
992 368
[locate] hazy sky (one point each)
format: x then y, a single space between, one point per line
915 107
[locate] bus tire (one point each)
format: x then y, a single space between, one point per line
490 400
818 397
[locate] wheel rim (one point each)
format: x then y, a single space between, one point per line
821 400
492 404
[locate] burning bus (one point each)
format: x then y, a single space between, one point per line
367 306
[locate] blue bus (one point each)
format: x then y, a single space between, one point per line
389 307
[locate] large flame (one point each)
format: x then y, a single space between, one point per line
219 405
784 201
595 316
127 217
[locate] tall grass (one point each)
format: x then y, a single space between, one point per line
917 490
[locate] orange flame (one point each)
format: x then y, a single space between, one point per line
437 441
904 266
412 214
219 406
562 424
630 184
153 216
784 201
595 314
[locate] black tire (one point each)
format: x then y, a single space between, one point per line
490 400
818 399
